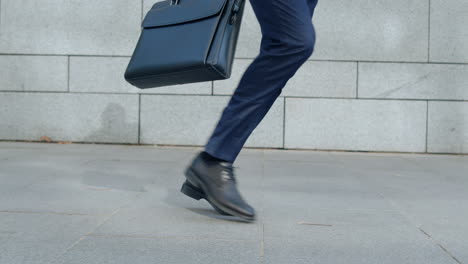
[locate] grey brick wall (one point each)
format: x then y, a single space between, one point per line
385 76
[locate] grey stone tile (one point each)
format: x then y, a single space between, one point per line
413 184
382 31
324 207
323 79
450 234
346 211
353 237
47 152
424 197
314 78
439 203
69 117
434 202
48 192
62 178
349 124
299 156
40 238
422 191
148 250
106 74
189 120
311 186
448 31
443 165
395 34
33 73
24 168
99 74
447 131
166 212
130 175
99 180
413 81
427 187
4 155
108 27
374 163
298 205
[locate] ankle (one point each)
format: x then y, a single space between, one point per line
210 157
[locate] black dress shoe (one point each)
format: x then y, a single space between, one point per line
215 181
197 194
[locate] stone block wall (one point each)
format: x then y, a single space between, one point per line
385 76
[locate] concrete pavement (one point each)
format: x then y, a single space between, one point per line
80 203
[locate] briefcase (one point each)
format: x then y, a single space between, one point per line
186 42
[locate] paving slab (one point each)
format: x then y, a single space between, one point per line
106 203
168 213
40 238
78 117
352 237
119 250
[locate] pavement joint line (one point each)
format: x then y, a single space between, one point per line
93 230
84 236
262 251
48 213
169 237
440 245
239 58
304 150
412 222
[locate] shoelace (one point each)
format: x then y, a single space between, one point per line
228 171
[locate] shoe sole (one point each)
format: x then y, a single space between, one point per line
190 189
196 193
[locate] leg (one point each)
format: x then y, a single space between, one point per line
288 39
312 5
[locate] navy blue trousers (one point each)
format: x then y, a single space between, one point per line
288 39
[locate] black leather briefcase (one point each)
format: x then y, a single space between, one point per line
186 42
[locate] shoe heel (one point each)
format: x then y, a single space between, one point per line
191 191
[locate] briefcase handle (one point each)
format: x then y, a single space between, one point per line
234 11
176 2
